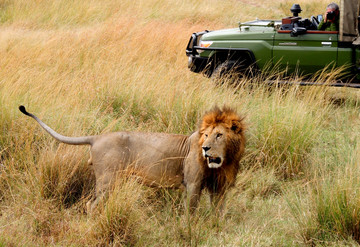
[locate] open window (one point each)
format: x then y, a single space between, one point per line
295 23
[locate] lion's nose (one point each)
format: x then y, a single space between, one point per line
205 148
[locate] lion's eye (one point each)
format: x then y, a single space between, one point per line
206 135
218 135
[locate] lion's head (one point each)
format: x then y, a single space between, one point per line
222 140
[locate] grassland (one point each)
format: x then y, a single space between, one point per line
90 67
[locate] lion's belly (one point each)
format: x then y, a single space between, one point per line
157 177
158 168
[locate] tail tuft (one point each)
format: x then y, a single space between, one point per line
23 110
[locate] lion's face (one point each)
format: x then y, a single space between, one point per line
214 145
221 137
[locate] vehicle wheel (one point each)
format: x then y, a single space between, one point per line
224 71
232 71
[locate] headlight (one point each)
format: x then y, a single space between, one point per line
204 44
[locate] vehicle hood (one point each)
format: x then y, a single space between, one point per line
247 30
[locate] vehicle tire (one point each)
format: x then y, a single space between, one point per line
232 71
223 71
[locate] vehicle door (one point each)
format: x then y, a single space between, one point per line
305 53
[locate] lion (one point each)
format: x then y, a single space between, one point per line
207 159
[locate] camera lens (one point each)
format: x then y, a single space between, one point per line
330 15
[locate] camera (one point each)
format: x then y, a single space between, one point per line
330 15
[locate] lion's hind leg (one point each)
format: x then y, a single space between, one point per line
91 205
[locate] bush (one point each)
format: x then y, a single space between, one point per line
122 215
65 177
333 207
287 128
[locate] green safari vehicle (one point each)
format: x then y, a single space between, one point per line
292 44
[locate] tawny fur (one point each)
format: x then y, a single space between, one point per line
169 160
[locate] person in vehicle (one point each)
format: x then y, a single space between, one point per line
330 22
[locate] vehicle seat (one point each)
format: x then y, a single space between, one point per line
287 23
315 21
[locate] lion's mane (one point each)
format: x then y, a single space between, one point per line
217 180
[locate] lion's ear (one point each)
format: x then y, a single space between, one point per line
236 126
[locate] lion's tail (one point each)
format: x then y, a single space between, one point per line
84 140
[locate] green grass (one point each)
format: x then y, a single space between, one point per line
328 210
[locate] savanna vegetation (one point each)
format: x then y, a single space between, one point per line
90 67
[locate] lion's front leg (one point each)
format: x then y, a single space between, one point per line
193 174
217 201
193 191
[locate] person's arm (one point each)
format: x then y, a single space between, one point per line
321 25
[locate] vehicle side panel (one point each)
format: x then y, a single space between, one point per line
311 51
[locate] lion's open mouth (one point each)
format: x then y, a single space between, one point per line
214 162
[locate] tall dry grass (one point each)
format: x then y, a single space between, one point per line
89 67
328 211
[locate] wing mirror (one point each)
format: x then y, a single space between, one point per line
297 31
319 17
